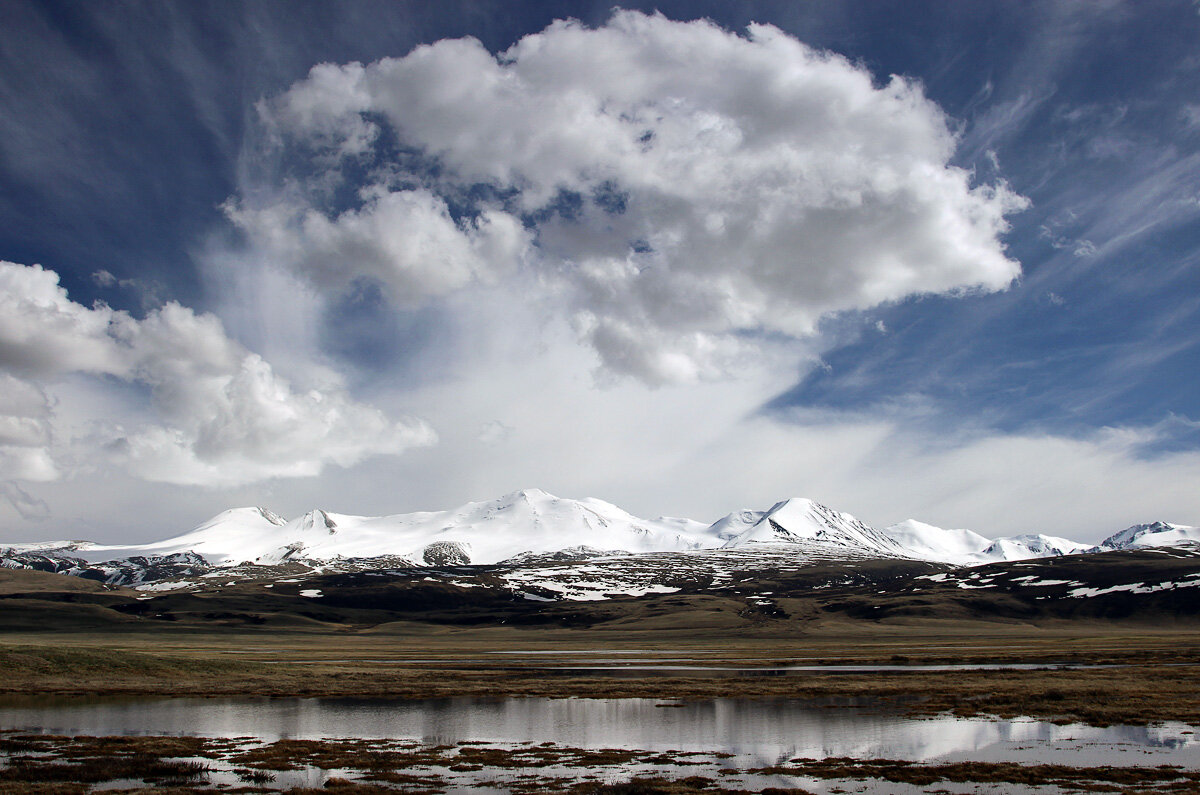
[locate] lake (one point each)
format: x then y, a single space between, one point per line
755 732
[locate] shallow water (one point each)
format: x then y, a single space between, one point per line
631 668
758 732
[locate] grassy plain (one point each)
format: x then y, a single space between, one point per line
369 636
1140 674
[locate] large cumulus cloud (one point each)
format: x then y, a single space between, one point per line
218 414
683 190
25 431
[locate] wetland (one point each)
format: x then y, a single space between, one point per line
671 694
569 745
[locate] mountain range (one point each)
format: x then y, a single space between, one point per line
534 525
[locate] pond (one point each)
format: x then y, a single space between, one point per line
755 731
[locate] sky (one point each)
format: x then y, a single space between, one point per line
933 260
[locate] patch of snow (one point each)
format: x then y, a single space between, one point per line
166 585
1137 588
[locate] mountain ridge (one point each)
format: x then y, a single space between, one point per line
532 523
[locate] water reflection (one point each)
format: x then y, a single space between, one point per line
757 731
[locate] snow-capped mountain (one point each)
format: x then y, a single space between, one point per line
1153 534
214 540
969 548
478 532
532 526
800 521
935 543
732 525
1031 545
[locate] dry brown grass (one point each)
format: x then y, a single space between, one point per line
24 581
1135 694
439 664
1098 779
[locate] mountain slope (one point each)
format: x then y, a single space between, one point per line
217 540
1031 545
532 525
732 525
935 543
968 548
802 522
478 532
1153 534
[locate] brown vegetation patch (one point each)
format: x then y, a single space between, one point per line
144 767
1098 779
29 788
1133 694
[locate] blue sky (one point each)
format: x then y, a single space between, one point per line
970 296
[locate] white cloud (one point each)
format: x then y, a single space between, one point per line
221 415
25 432
42 332
687 190
884 469
697 451
703 450
404 240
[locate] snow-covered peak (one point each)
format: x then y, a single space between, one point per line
52 547
530 495
1153 534
271 516
249 514
736 523
530 520
535 522
935 543
800 521
1031 545
315 520
970 548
